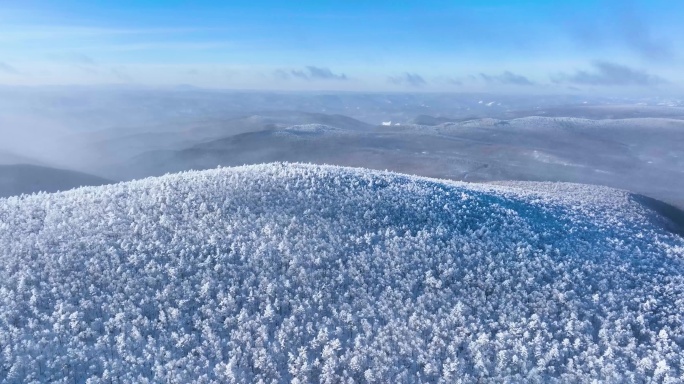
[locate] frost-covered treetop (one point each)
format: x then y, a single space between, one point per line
301 273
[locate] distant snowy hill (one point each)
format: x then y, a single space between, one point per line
16 179
301 273
7 158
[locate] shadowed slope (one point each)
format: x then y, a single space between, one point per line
673 216
16 179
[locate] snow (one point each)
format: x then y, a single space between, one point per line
551 159
302 273
484 122
309 131
314 128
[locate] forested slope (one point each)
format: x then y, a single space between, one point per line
299 273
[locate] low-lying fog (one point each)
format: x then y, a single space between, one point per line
66 137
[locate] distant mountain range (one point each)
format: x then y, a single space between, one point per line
131 132
643 154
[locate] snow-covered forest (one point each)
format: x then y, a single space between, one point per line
302 273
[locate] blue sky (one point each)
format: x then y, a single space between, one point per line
508 46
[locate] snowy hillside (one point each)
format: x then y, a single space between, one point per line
299 273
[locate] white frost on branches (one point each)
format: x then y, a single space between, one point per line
300 273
